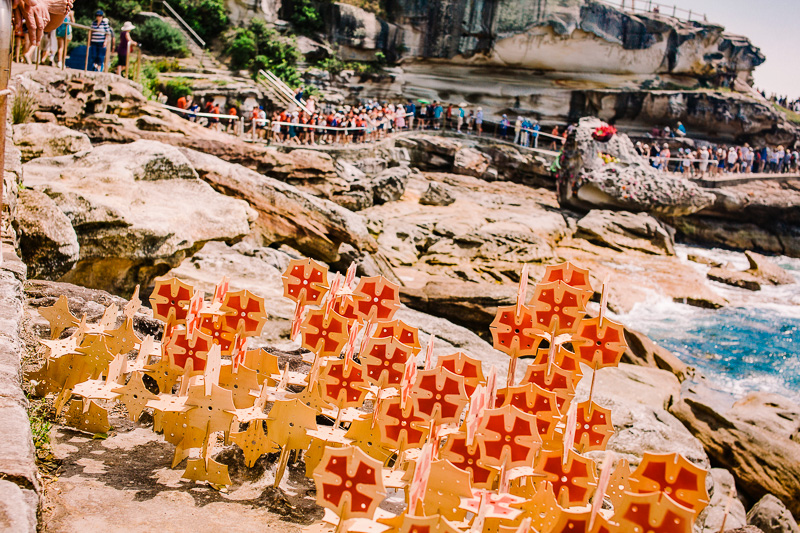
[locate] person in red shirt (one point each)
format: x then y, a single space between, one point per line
182 103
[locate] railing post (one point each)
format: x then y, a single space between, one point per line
241 126
88 46
6 35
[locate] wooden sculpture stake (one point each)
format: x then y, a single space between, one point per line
602 485
731 496
569 433
429 353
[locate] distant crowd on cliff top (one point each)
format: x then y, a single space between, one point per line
784 101
367 122
715 160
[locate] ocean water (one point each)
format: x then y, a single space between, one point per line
752 345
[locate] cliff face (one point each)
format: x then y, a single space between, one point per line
550 35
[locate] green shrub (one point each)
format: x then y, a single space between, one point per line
176 88
158 37
261 48
208 18
24 105
306 17
166 64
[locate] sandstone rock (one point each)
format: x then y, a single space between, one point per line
703 260
586 181
772 516
47 242
743 280
314 226
710 519
48 140
622 230
638 398
763 268
643 351
390 184
429 152
138 210
18 508
731 234
470 162
763 458
436 194
745 529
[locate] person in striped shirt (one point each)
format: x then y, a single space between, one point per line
101 34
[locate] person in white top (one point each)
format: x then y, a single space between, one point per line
704 157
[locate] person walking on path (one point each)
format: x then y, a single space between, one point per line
479 121
124 47
64 36
100 34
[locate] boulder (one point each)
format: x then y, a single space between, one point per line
430 152
722 490
734 234
764 457
286 215
703 260
626 231
470 162
586 181
763 268
390 184
643 351
436 194
44 139
638 398
743 280
48 244
138 210
771 516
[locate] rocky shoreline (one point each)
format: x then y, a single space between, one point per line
448 218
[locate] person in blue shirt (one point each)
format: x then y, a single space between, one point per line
535 135
504 127
411 110
680 130
101 33
437 115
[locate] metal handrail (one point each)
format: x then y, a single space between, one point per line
647 7
283 90
186 26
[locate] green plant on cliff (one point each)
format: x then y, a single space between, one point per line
305 17
175 88
791 116
159 38
208 18
23 106
258 47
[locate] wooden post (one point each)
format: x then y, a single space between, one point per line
88 46
128 60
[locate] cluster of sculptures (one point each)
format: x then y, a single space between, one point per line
468 454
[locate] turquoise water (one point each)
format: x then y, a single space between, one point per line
754 345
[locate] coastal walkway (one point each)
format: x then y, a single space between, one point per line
730 180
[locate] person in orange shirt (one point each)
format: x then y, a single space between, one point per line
231 123
182 103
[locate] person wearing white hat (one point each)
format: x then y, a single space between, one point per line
124 47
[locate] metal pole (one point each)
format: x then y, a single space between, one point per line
241 126
6 33
88 45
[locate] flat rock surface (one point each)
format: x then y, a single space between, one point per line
125 484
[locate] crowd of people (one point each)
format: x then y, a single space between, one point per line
715 160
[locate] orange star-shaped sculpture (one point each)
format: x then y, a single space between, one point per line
469 459
305 282
170 300
59 316
342 385
573 482
673 475
254 442
135 395
564 359
244 312
593 427
653 512
349 482
216 327
401 331
465 366
439 395
559 381
182 348
581 521
600 346
400 428
385 361
536 401
571 275
376 298
325 335
447 485
515 334
508 437
557 304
